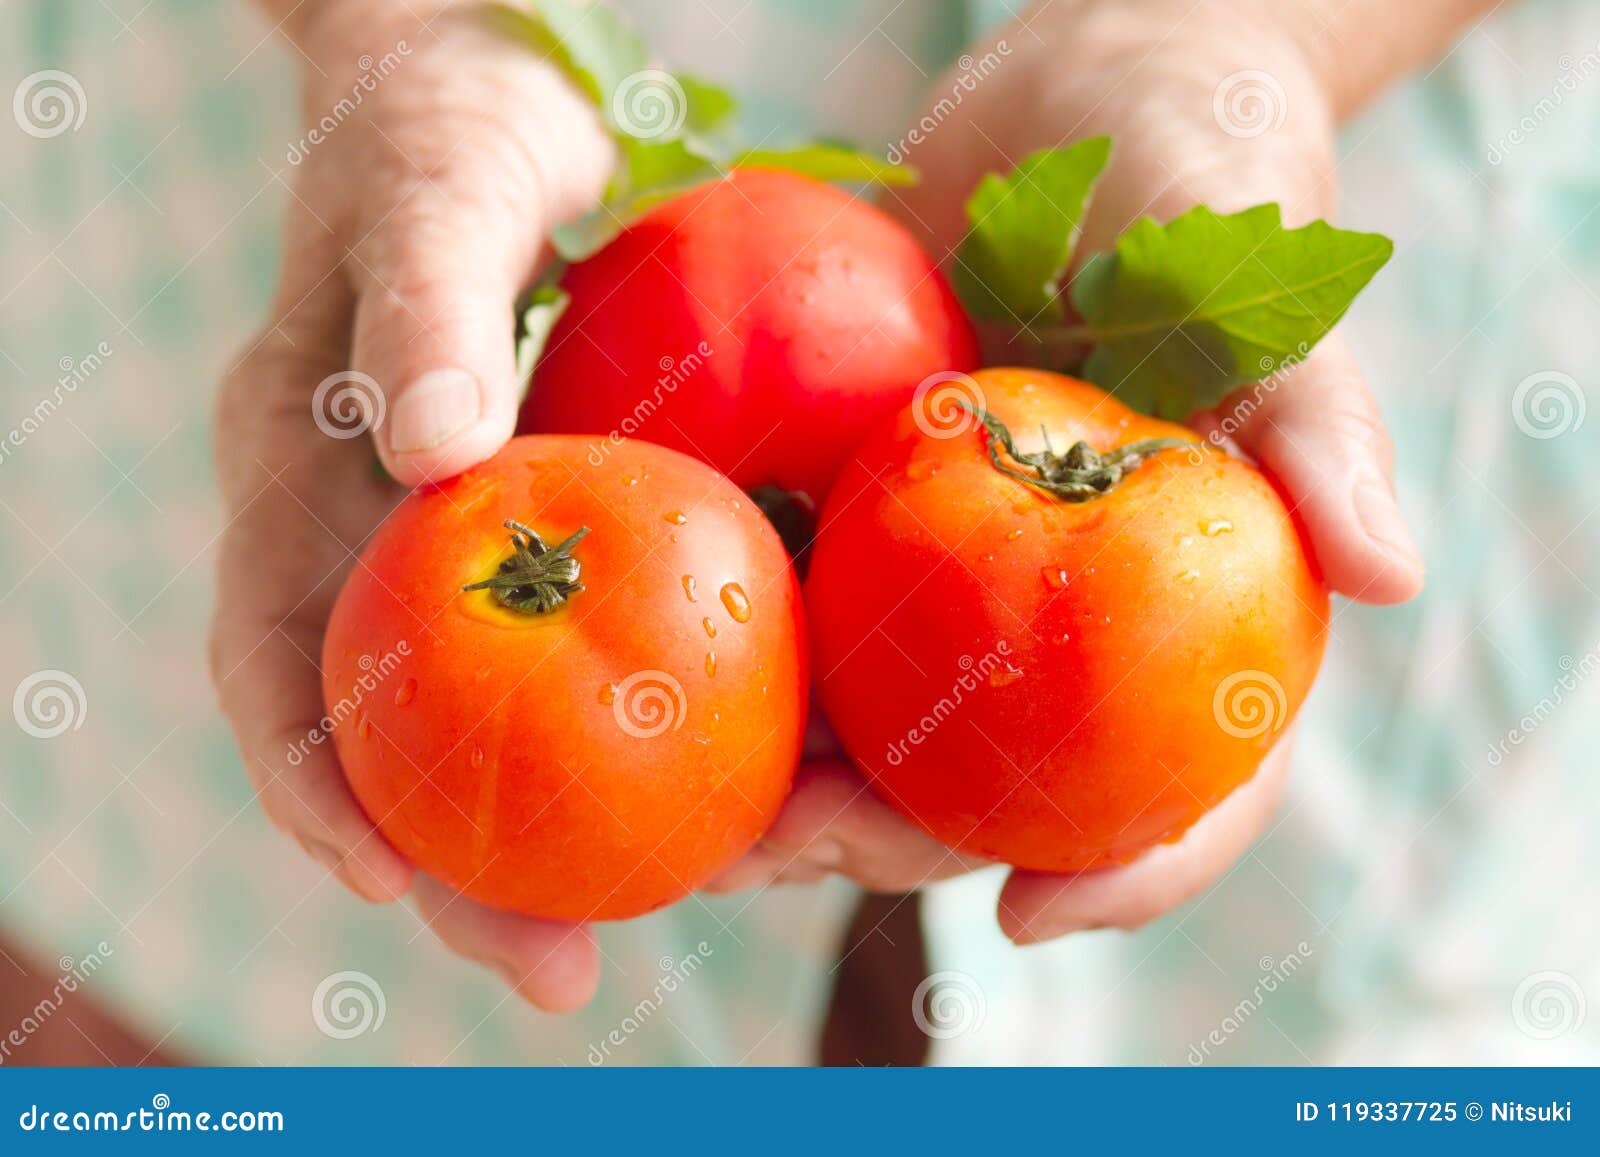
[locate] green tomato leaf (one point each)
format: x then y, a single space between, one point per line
545 308
829 161
708 108
589 42
1181 313
648 172
1024 227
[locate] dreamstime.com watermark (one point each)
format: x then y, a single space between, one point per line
1238 414
1573 74
993 668
648 703
947 404
1274 974
673 973
1549 1004
1248 704
949 1004
74 974
1549 404
347 404
1249 103
74 373
373 673
160 1117
674 372
649 105
48 103
373 73
974 71
348 1004
49 703
1573 674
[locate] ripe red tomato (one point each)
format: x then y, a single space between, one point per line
762 322
1057 684
611 729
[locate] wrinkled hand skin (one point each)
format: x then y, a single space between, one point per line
414 223
411 228
1147 74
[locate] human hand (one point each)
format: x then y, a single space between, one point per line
414 222
1223 104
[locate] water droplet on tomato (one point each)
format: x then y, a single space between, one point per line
920 468
363 725
1063 637
675 517
1212 527
406 693
608 693
1004 676
1055 578
477 756
688 586
1014 535
736 601
1188 576
711 662
711 628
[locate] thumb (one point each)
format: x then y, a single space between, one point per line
1317 430
434 330
437 280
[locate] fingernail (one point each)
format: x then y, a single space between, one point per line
1381 519
436 407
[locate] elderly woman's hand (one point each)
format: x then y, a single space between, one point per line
435 160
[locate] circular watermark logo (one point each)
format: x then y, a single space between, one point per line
1249 104
49 703
649 703
49 103
649 105
348 1004
1250 703
948 1004
1549 1004
946 404
1548 404
347 404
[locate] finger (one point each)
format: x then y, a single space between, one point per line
1317 430
267 680
833 822
554 966
1036 906
279 570
461 201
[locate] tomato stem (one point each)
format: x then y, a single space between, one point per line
536 579
1079 474
793 515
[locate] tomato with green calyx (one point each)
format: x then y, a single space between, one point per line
601 692
761 322
1052 631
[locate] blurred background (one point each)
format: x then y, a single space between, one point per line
1429 894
